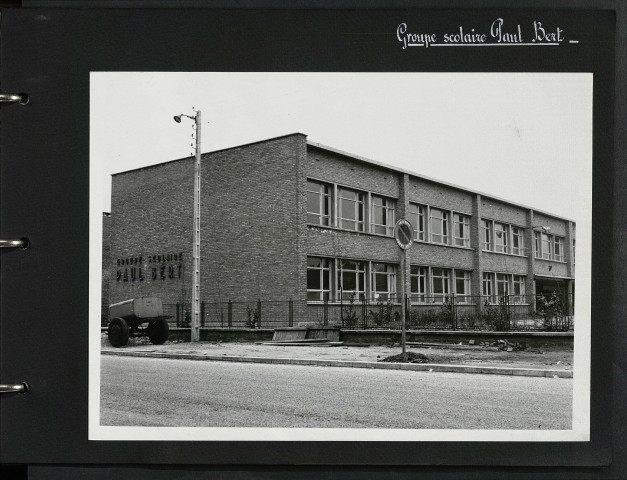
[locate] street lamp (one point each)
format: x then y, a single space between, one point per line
195 321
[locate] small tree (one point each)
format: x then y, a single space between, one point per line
252 317
384 314
551 309
349 315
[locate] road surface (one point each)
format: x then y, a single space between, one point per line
165 392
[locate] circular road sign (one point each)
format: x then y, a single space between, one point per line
403 232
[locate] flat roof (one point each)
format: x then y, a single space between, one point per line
424 177
208 153
359 158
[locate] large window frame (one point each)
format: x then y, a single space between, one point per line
462 286
351 209
319 279
487 287
438 225
384 209
518 241
518 289
353 273
383 275
486 229
461 230
417 214
319 203
558 249
501 236
440 284
549 247
418 276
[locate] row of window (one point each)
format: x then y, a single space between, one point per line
502 238
550 247
498 285
335 279
430 224
351 209
437 229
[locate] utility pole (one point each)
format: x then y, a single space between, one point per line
195 321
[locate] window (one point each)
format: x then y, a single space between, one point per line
486 235
462 286
517 241
318 203
501 233
382 216
518 291
502 285
318 278
352 279
383 281
549 247
461 230
546 245
440 283
417 219
351 206
538 250
487 286
558 250
418 280
439 226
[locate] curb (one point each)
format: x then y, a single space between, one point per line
419 367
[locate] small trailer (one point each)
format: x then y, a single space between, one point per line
128 316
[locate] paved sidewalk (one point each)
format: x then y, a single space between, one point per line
461 359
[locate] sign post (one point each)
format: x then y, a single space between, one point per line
403 232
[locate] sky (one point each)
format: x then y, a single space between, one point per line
525 137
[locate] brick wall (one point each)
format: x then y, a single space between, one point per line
438 256
331 167
498 262
557 226
437 195
499 211
151 226
342 244
107 268
253 222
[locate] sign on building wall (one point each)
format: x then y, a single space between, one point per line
149 268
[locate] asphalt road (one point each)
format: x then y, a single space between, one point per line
159 392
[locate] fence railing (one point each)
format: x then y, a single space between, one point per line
447 312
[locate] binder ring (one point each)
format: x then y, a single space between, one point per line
14 388
15 243
21 98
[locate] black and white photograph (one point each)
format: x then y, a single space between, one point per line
340 256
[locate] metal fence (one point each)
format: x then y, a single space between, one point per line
509 312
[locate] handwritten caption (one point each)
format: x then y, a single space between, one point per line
498 35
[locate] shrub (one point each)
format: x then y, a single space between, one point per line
384 314
349 315
252 317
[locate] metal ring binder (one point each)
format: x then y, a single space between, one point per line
14 388
16 243
22 98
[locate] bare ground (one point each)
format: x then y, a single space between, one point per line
560 358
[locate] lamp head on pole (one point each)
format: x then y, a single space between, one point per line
177 118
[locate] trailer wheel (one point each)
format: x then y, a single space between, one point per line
158 331
118 332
